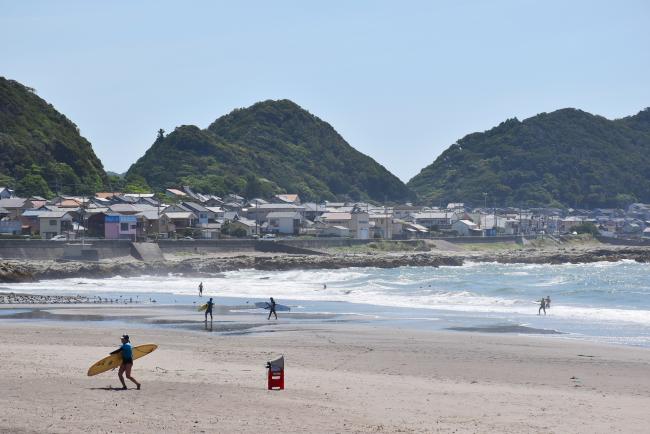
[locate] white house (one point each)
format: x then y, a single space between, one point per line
465 228
284 222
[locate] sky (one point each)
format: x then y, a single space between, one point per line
399 80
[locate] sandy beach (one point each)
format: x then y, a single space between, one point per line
341 376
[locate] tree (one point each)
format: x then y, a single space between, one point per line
253 187
33 184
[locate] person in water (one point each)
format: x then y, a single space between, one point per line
542 306
272 309
210 304
548 302
127 361
201 289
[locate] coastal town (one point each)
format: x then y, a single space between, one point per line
181 213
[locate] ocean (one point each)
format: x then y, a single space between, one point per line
605 302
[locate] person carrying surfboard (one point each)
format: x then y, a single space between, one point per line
127 361
208 310
272 309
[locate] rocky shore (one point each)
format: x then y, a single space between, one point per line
23 271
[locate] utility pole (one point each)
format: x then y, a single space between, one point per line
484 209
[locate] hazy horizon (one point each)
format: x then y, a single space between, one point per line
399 82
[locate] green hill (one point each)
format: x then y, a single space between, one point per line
41 151
564 158
270 147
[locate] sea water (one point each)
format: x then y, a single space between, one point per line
607 301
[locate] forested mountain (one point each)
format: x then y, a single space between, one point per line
270 147
41 151
565 158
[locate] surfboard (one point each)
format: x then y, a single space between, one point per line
203 307
278 307
115 360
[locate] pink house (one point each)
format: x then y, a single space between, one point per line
120 227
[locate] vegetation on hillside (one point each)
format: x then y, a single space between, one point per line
270 147
41 151
565 158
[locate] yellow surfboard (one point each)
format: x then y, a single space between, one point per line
115 360
203 307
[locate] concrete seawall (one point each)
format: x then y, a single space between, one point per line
42 249
106 249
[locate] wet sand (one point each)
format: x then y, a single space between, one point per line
340 377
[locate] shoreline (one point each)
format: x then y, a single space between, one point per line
340 377
15 271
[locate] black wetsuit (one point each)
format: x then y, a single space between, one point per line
209 309
272 309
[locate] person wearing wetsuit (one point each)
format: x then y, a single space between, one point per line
548 302
542 306
272 309
201 289
210 304
127 361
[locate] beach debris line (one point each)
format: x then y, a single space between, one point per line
18 298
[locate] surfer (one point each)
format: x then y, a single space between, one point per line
208 310
127 361
272 309
548 302
201 289
542 306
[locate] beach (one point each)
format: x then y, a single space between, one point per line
341 376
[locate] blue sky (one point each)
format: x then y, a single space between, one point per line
401 81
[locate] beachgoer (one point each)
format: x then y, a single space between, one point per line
324 285
548 302
127 361
542 306
201 289
210 304
272 309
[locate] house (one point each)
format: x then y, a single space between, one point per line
465 228
217 211
179 218
410 230
288 198
30 222
356 221
54 223
176 194
120 227
152 224
260 212
250 226
204 214
284 222
567 224
456 206
234 198
107 195
313 210
381 225
6 193
437 220
124 208
15 206
403 211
